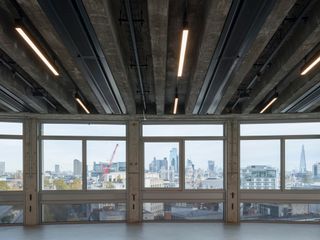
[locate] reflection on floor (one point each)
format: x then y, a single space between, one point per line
164 231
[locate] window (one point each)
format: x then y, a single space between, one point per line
276 129
161 165
292 212
83 212
175 211
72 129
11 214
302 164
62 165
204 164
260 164
106 165
11 158
182 130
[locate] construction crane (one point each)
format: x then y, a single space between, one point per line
106 170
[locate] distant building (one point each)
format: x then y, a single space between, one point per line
77 167
174 160
258 177
157 164
303 165
57 168
316 170
2 168
211 166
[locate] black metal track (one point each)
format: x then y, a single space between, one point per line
244 20
72 23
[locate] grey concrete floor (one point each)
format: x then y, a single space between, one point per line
164 231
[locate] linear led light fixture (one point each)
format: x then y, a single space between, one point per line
183 51
307 68
78 99
25 36
175 106
274 98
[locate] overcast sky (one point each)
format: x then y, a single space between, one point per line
265 152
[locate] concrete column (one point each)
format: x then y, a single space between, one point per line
233 159
133 173
31 214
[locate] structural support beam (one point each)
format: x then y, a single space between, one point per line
11 82
18 50
105 23
134 191
158 24
271 24
158 12
304 38
233 159
36 15
296 89
217 12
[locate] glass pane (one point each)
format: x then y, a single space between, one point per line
106 165
11 164
10 128
182 130
260 164
203 164
62 165
292 212
161 165
83 212
302 164
11 214
182 211
276 129
62 129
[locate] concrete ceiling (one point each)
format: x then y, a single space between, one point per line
121 57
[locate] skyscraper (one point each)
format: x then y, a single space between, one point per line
303 167
2 168
77 167
174 159
56 168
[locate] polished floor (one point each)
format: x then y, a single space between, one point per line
164 231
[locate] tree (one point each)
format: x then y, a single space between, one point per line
4 185
60 184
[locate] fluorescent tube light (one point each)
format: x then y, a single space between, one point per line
36 50
269 104
82 105
309 67
182 51
175 106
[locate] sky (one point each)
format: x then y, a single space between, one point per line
257 152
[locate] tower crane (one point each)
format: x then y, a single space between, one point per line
106 170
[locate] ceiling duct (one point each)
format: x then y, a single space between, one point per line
242 25
304 102
73 25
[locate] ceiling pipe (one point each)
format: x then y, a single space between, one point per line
265 65
136 54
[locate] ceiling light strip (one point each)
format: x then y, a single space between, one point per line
175 106
36 50
269 104
183 51
308 68
82 105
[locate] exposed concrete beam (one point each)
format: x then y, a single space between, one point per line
43 25
158 12
271 24
303 39
104 22
17 49
296 88
217 12
14 85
